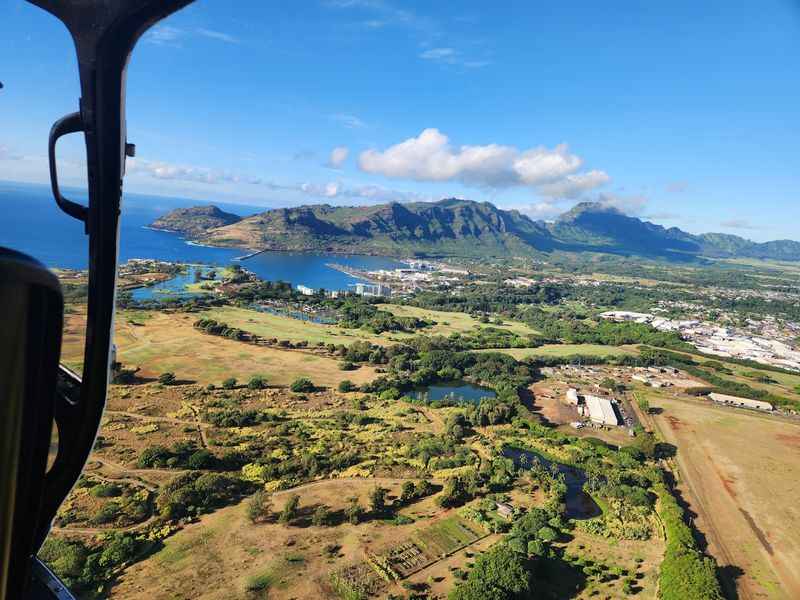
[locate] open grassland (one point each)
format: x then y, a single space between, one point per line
452 322
169 342
566 350
740 473
218 557
640 557
286 328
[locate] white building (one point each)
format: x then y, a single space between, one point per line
737 401
306 291
373 289
601 410
572 396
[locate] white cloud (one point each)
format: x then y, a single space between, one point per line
541 165
739 224
443 54
167 35
164 35
451 56
338 156
431 157
574 186
630 205
217 35
349 121
163 171
542 210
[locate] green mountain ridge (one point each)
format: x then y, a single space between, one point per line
456 227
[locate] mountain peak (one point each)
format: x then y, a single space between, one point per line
195 220
583 208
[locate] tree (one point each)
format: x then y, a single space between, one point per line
346 386
321 516
423 488
612 385
202 459
377 500
453 494
229 383
353 511
456 426
644 404
408 492
257 382
499 574
289 511
259 506
646 443
302 385
167 378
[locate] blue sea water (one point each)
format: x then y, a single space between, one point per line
31 222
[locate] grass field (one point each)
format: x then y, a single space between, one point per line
567 350
168 342
452 322
287 328
740 472
221 555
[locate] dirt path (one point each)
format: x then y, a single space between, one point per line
323 482
97 530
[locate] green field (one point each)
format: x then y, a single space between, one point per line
286 328
567 350
447 535
452 322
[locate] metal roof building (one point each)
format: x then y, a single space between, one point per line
601 410
737 401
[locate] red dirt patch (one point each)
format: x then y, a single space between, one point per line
793 441
675 423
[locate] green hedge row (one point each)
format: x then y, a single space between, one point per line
685 571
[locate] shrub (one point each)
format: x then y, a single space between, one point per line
321 516
257 383
346 386
289 511
347 366
353 511
302 385
167 378
229 383
106 490
202 459
108 513
258 507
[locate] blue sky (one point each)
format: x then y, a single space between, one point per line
683 112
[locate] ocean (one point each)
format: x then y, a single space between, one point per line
30 222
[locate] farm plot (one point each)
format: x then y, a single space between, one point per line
431 544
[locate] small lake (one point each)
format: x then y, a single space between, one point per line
459 391
172 288
579 504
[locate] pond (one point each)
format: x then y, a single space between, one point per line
580 505
174 287
458 391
